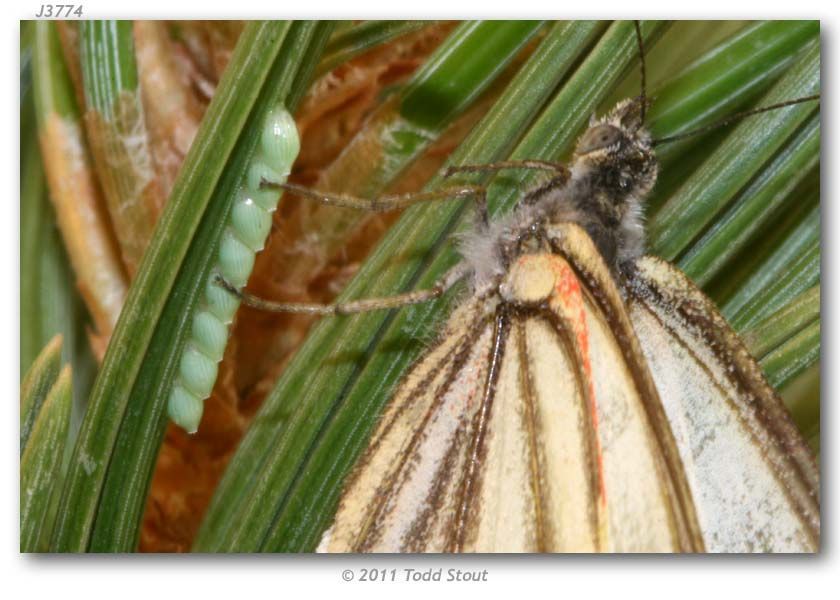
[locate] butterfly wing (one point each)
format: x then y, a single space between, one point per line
402 494
527 428
648 503
570 460
753 479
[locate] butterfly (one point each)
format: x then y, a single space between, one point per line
583 397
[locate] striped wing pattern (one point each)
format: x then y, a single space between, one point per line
535 425
754 481
403 492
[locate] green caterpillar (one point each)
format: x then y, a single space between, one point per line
244 236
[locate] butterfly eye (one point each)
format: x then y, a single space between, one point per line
598 137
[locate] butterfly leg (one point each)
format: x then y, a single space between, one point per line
383 203
353 306
540 165
389 202
560 177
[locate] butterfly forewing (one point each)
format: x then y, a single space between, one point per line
640 514
753 480
503 511
527 435
561 430
403 493
647 495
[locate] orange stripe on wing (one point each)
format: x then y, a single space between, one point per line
569 303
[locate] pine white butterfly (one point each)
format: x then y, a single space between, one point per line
583 397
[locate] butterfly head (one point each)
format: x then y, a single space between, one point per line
618 149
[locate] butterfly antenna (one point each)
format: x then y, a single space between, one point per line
643 95
733 118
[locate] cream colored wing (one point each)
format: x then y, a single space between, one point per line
532 426
753 479
403 493
570 461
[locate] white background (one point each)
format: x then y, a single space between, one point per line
518 578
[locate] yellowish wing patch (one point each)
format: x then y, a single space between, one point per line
606 487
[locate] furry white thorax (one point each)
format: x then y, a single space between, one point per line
481 248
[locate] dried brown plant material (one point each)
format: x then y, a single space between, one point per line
209 46
222 36
172 106
339 102
83 222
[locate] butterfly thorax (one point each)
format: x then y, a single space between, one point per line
612 171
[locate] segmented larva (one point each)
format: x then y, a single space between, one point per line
244 236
